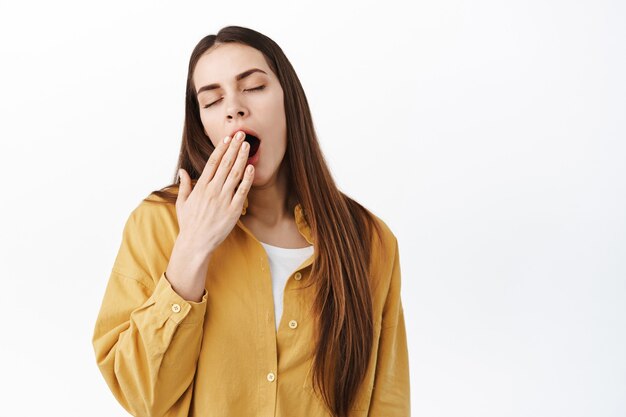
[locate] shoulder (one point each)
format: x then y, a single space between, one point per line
383 240
155 214
381 232
148 237
151 225
383 249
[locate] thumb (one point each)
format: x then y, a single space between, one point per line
184 189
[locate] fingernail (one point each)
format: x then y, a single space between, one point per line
240 135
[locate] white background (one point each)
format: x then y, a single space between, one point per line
489 135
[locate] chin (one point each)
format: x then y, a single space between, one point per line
258 180
261 179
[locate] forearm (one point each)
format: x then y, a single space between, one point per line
187 269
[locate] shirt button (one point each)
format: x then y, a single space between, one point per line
298 276
175 308
271 376
293 324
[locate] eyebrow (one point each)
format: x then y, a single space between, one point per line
238 77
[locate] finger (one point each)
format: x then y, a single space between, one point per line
214 160
242 191
184 189
234 176
227 160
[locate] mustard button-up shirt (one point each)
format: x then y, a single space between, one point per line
162 355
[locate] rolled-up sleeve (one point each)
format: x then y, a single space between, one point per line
147 338
391 392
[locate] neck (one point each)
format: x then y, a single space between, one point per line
269 203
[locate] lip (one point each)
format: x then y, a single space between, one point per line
245 130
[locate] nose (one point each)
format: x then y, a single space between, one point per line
239 113
236 109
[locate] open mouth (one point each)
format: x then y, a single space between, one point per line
254 144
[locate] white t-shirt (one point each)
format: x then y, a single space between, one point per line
283 262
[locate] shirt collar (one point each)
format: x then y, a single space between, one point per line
303 226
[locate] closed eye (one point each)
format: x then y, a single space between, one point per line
261 87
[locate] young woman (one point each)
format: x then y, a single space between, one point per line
253 287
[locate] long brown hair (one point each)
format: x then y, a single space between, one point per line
341 227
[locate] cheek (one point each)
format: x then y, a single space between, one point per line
276 117
207 131
274 104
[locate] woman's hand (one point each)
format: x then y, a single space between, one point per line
208 213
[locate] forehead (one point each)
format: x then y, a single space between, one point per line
221 64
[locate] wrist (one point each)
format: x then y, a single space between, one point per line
193 251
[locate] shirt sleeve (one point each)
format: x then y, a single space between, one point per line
391 391
147 337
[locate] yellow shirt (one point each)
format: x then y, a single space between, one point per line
162 355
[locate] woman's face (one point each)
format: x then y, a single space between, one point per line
230 104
